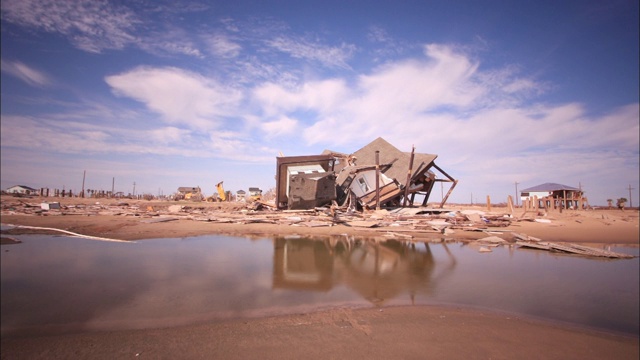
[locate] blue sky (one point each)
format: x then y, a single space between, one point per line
182 93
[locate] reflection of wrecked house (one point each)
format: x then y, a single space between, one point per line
21 189
189 193
377 174
553 196
378 272
302 264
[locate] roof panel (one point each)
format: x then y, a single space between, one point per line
549 187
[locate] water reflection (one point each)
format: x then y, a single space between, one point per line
58 284
377 271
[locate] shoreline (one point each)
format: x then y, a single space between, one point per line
401 331
140 219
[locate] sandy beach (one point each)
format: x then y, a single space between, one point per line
390 332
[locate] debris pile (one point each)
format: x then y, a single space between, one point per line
402 223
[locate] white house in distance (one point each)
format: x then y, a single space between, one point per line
552 195
22 189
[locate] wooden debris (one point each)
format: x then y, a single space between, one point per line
362 223
67 232
492 240
391 234
158 220
574 249
402 223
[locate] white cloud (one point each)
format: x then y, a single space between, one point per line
25 73
169 135
318 96
283 126
181 97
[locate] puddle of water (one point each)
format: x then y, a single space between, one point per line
62 284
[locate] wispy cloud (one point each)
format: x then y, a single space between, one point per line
223 46
98 25
25 73
91 25
331 56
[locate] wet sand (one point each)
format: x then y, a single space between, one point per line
390 332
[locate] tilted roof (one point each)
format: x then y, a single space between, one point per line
398 160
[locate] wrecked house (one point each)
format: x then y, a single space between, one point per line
377 175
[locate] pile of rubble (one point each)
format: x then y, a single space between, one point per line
403 219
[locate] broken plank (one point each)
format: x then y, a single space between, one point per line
158 220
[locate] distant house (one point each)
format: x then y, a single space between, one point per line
552 195
241 195
255 193
22 189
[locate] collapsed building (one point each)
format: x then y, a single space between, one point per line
377 175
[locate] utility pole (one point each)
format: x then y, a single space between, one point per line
630 201
84 175
113 183
517 193
134 188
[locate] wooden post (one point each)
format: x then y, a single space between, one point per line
510 205
377 180
408 183
488 203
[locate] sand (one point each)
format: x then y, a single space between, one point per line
390 332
